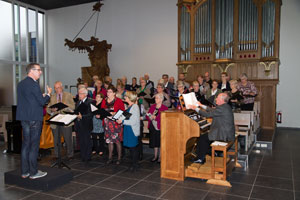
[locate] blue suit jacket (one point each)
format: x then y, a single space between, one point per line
30 101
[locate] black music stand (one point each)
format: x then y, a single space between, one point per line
59 161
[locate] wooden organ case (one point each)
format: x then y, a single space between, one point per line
233 36
179 132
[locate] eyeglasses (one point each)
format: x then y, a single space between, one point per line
37 69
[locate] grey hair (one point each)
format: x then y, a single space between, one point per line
160 95
244 75
225 97
84 90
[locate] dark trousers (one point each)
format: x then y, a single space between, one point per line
134 153
203 146
30 146
85 145
248 106
98 142
140 143
66 132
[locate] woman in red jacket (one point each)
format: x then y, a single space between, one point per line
113 130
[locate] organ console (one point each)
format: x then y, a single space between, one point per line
179 133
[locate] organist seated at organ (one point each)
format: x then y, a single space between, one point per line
222 127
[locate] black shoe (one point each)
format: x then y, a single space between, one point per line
154 159
199 161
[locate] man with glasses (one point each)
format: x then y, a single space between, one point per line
30 113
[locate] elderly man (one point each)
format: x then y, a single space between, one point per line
124 81
30 113
149 84
67 99
222 127
208 79
84 124
181 77
168 85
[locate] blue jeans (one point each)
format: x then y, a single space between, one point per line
30 146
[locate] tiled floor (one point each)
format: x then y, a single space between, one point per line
271 175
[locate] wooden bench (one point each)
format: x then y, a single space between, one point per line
242 121
229 162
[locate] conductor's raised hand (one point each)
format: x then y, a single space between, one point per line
49 90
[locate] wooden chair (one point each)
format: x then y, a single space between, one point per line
252 137
242 122
228 157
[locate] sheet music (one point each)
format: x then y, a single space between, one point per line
218 143
190 99
119 115
93 108
66 119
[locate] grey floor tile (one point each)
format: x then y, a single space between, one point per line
96 193
139 174
67 190
271 194
42 196
109 169
242 178
236 189
128 196
194 183
179 193
275 172
90 178
276 183
218 196
117 183
85 167
13 193
149 189
155 177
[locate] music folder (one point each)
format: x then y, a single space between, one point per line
102 112
120 115
59 106
62 119
141 94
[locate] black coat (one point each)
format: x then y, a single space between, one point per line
86 123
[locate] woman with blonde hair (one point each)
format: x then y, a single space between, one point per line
131 128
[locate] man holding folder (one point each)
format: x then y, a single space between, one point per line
59 102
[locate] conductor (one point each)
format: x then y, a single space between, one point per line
222 127
30 113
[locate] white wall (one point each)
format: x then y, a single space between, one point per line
288 90
143 35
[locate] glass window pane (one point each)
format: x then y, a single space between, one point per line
41 37
6 40
6 84
32 35
23 25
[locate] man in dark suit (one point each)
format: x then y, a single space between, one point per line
222 127
30 113
149 84
84 124
168 85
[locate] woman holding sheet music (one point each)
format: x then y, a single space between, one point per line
132 128
153 117
112 130
98 130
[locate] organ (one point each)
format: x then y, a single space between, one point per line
233 36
